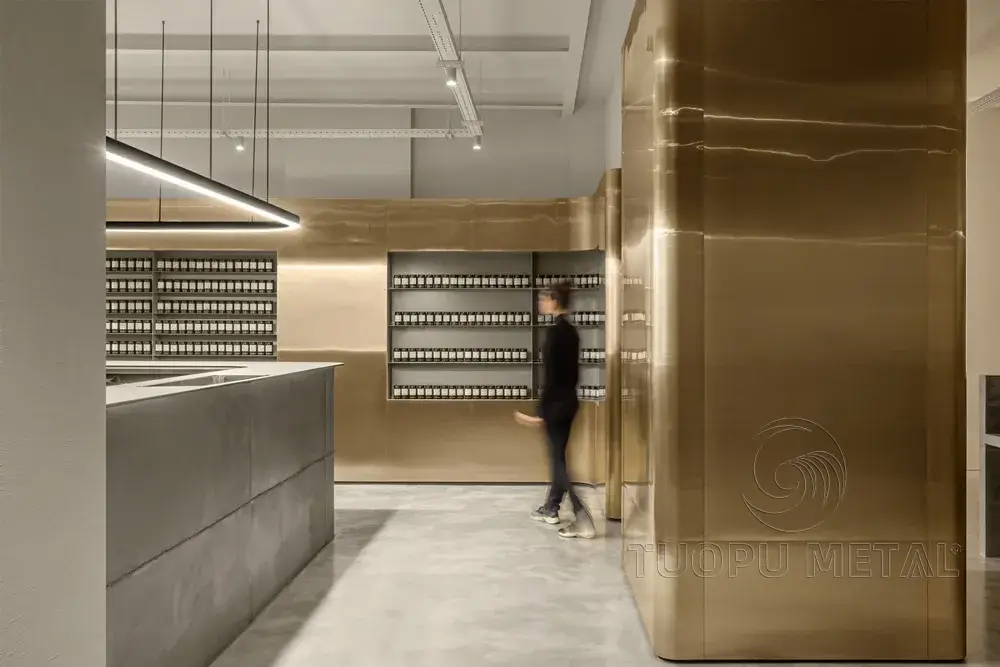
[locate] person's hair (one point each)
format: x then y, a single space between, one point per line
562 294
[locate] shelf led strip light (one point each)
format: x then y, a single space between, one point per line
274 217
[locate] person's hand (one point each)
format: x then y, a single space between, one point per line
526 420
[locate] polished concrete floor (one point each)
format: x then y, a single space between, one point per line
448 576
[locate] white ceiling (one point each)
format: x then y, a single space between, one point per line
368 52
540 71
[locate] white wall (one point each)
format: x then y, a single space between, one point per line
525 154
52 407
982 264
613 124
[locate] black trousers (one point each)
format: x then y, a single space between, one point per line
557 428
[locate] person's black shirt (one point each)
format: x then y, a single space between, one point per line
561 363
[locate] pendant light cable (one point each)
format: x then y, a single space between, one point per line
163 79
116 70
256 87
211 81
267 101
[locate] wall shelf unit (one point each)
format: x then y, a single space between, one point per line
191 305
464 326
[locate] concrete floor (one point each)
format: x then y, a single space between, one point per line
442 576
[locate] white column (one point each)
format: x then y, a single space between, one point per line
52 477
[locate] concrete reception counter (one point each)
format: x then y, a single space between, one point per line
219 491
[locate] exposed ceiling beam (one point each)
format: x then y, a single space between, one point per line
574 64
444 43
343 43
307 104
379 133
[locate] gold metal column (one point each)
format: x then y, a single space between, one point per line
793 339
612 343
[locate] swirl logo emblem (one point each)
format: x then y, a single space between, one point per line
800 474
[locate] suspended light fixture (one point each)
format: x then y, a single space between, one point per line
451 76
269 217
168 172
477 143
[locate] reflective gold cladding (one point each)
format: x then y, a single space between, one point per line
612 342
332 307
792 199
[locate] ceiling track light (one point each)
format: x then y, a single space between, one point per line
273 218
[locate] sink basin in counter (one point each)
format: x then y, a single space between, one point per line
205 380
150 380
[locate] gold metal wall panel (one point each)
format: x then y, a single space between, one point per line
946 502
639 555
528 225
612 451
797 211
332 307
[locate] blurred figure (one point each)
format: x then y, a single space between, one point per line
557 408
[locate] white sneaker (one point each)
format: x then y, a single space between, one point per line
545 515
582 527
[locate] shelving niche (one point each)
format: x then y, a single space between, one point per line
465 325
191 305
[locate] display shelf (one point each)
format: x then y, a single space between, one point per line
128 348
438 281
430 285
462 392
215 348
539 362
180 290
241 288
232 327
216 263
461 319
464 364
461 326
460 356
181 275
215 308
575 289
577 281
203 357
129 263
128 327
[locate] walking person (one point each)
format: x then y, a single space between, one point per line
558 407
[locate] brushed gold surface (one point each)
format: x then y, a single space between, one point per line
612 343
795 210
333 307
586 215
639 554
946 501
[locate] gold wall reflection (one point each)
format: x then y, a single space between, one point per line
792 198
332 306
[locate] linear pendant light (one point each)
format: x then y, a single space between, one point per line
275 218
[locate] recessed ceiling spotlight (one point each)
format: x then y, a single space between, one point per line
477 143
452 76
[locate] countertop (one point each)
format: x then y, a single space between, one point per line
253 370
